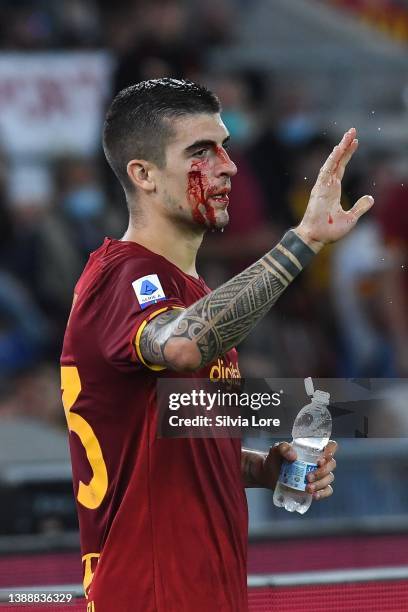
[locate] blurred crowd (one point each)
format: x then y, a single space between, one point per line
345 316
390 16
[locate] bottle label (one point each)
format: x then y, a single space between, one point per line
293 474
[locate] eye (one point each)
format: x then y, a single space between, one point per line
200 153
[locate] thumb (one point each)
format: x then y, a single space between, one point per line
362 206
285 450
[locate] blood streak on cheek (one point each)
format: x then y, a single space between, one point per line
330 219
196 192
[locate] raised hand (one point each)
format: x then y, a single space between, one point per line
325 220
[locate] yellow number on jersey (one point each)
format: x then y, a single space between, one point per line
92 494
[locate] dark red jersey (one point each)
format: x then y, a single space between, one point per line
163 522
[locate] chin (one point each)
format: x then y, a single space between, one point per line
221 220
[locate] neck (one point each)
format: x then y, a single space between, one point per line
176 243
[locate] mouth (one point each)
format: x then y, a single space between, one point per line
221 197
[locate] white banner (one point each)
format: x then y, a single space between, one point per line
53 103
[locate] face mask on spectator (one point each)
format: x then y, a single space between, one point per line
239 125
84 203
296 129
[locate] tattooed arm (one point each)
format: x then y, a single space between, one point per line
222 319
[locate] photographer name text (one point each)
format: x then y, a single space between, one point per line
223 421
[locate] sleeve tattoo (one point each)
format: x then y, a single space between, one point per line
224 317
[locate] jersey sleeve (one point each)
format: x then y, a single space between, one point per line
141 291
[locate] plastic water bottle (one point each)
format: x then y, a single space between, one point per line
311 432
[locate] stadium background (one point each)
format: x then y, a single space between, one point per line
292 75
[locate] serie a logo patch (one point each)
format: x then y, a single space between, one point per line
148 290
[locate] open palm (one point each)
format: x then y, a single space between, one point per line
325 220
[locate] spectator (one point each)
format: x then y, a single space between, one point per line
243 125
155 52
41 241
358 265
393 217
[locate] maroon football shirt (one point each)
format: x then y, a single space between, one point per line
163 522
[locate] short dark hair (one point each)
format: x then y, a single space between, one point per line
138 126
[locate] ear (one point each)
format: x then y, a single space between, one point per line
141 173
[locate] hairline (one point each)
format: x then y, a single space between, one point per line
160 122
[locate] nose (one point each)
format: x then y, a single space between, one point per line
225 166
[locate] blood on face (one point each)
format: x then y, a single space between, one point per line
198 191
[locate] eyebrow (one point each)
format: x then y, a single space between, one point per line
201 144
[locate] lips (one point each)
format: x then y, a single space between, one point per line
221 196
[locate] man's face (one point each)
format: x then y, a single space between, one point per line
196 181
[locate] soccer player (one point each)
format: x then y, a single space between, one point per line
163 522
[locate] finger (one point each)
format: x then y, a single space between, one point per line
328 467
347 147
346 158
324 493
320 484
361 207
330 448
328 455
324 461
335 156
